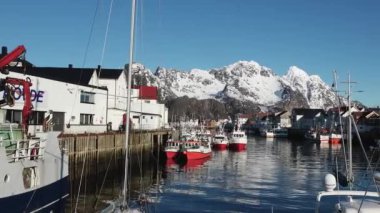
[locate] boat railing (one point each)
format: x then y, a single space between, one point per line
32 149
346 193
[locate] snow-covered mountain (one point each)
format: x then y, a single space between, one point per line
244 81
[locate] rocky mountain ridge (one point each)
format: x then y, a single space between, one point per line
242 87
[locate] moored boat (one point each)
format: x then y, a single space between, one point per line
34 165
353 195
172 147
277 132
193 150
323 137
237 141
35 172
268 133
317 136
220 142
280 132
335 138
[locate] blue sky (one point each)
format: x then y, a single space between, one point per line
318 36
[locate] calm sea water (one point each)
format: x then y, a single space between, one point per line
275 175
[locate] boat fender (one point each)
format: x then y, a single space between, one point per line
376 176
330 182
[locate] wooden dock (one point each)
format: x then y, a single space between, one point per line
95 149
96 163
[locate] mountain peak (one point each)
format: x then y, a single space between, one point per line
296 72
246 81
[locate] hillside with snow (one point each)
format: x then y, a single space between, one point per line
245 82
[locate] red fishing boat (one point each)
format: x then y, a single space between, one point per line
193 150
172 147
335 138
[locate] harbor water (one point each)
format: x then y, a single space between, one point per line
272 175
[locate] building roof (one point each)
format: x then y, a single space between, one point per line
68 75
338 109
109 73
375 109
79 76
308 113
245 115
281 113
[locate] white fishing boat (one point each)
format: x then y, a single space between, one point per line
220 141
267 132
352 198
277 132
33 166
317 136
237 141
280 132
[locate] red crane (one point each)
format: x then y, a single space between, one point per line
13 55
7 84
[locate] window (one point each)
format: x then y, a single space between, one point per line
36 118
86 119
136 117
13 116
87 97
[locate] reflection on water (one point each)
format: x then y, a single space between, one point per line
101 180
271 175
276 175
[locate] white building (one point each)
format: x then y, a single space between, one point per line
146 112
82 100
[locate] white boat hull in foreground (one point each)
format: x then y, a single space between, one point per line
34 173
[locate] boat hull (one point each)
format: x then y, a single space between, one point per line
238 141
196 155
220 146
237 146
335 140
323 138
49 198
191 164
171 154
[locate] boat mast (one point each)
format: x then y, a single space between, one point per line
128 105
349 130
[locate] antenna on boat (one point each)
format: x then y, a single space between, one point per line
128 105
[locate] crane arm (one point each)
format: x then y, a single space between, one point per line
8 84
27 109
16 53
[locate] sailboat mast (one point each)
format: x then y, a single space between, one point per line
349 130
128 105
